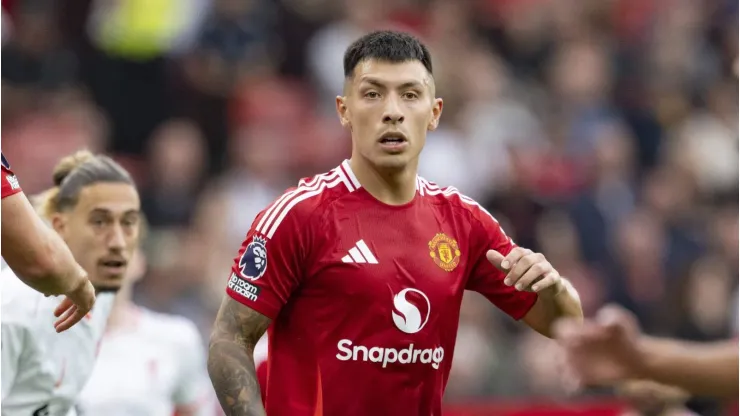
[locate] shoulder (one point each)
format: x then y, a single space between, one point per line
450 196
300 204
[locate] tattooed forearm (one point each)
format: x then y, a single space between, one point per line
230 358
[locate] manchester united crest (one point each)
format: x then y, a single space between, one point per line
444 252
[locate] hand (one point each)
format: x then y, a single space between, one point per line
527 271
75 306
649 397
604 350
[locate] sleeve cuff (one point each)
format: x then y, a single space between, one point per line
260 306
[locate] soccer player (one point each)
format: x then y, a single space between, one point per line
39 256
360 272
610 349
94 207
149 363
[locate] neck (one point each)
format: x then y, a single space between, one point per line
122 306
392 186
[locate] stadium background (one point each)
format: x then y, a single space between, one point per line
602 133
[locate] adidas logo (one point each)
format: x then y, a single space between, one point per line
360 253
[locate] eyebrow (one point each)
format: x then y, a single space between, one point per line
407 84
105 211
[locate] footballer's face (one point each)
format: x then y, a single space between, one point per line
102 231
389 107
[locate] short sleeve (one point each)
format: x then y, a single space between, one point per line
270 262
10 184
194 387
487 279
11 347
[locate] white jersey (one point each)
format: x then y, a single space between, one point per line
43 372
149 367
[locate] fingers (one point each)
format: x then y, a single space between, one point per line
63 306
514 257
495 258
535 262
69 319
504 263
549 280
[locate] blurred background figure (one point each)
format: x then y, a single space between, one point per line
601 133
148 363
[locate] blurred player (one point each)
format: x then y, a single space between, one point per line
39 256
611 349
149 363
360 272
94 206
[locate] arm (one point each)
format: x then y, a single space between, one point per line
35 252
560 301
610 348
521 283
230 358
709 369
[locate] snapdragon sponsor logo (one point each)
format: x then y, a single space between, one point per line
410 313
385 356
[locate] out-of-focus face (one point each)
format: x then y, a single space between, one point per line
389 107
102 231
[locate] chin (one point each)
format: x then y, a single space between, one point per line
107 287
110 284
396 161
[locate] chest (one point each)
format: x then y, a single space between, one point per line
54 370
369 255
144 370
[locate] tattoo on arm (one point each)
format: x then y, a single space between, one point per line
230 358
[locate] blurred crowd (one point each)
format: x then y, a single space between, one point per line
601 133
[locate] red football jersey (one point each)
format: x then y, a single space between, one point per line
365 297
10 184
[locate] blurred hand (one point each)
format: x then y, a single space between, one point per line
604 350
649 397
75 306
527 271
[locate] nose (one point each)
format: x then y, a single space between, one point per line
392 113
117 239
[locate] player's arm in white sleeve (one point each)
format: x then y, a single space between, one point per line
193 396
13 345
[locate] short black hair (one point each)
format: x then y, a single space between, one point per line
385 45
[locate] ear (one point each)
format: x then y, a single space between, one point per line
436 114
343 112
59 223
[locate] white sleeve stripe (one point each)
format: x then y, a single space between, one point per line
271 213
322 185
345 178
433 189
351 174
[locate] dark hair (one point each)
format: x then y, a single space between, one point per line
75 172
386 46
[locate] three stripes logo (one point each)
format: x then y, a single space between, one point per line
360 253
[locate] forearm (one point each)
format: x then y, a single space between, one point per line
35 252
234 378
566 303
703 369
550 307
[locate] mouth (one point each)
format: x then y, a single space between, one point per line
393 141
114 266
